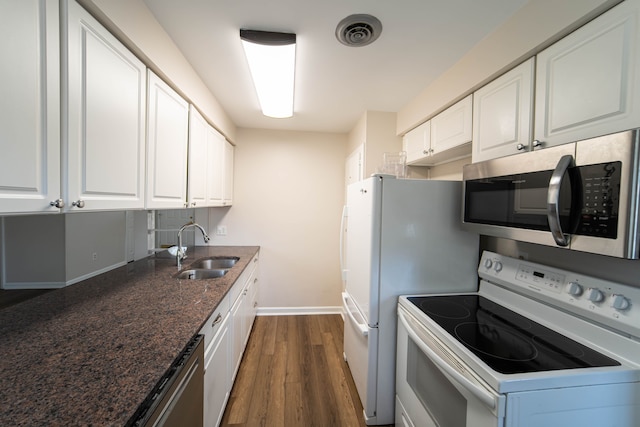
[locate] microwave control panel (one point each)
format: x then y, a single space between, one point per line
600 199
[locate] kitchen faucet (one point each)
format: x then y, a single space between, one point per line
180 255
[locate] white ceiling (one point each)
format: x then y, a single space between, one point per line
335 84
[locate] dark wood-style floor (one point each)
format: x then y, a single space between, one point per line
293 374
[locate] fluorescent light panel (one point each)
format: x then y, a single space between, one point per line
272 58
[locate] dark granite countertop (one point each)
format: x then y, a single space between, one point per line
89 354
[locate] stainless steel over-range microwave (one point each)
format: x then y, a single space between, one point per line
582 196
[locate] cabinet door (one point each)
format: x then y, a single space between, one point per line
502 113
199 152
228 174
237 343
216 168
29 106
216 380
168 128
417 143
353 166
452 127
106 87
587 83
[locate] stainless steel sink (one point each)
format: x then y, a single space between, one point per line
215 263
196 274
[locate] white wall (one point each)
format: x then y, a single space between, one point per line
288 197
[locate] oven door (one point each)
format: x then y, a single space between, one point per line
434 388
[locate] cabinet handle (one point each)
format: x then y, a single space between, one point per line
57 203
537 143
255 304
78 204
255 280
217 320
520 147
425 152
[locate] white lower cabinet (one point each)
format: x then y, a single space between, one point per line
226 334
217 386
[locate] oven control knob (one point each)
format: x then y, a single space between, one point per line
620 302
574 289
497 266
488 263
595 295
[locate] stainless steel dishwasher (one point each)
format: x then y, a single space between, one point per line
177 399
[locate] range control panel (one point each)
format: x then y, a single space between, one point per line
613 304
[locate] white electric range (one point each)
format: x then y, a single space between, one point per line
535 346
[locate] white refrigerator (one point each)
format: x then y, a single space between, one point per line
402 236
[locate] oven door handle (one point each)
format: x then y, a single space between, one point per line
483 395
553 200
363 328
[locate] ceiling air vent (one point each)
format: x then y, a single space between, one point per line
358 30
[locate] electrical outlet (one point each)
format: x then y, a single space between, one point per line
94 256
221 230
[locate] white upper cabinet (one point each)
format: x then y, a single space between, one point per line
444 138
199 155
29 106
210 164
227 194
502 114
452 127
417 143
167 139
215 191
353 166
587 83
105 117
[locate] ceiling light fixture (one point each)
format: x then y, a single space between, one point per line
272 58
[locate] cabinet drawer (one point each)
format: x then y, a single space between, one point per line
240 284
214 322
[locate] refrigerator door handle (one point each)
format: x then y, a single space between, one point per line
342 223
362 327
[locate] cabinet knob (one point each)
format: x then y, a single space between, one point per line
520 147
425 152
78 204
536 143
57 203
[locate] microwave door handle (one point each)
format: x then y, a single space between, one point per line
553 200
483 395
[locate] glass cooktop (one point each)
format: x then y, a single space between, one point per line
507 341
